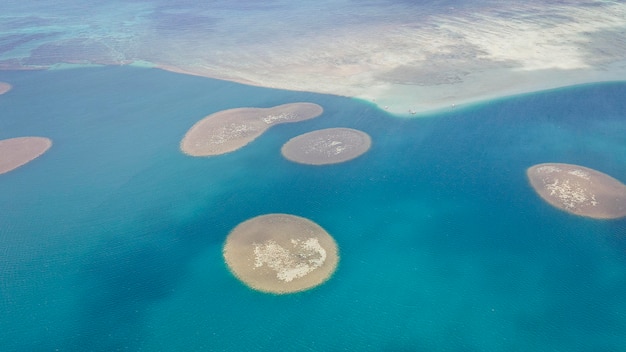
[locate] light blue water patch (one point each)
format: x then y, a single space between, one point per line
112 240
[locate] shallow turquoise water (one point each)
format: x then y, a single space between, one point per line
112 240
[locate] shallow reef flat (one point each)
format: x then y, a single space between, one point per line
408 58
15 152
446 59
228 130
327 146
280 253
579 190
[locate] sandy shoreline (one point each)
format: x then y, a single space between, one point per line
417 100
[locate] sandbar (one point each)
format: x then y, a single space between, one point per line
280 253
15 152
327 146
579 190
228 130
4 87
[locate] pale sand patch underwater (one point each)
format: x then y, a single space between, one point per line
280 253
327 146
15 152
579 190
4 87
228 130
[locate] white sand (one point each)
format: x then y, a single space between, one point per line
287 266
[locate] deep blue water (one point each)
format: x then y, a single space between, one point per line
112 240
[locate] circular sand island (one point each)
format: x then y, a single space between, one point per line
15 152
228 130
579 190
327 146
280 253
4 87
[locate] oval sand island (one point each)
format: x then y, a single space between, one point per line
327 146
280 253
15 152
4 87
579 190
228 130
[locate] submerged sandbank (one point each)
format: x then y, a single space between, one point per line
4 87
327 146
228 130
280 253
579 190
15 152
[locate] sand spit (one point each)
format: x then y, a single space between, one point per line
327 146
228 130
579 190
280 253
4 87
15 152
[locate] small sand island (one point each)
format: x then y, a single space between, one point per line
280 253
327 146
15 152
228 130
579 190
4 87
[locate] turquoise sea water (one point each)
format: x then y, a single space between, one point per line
112 240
